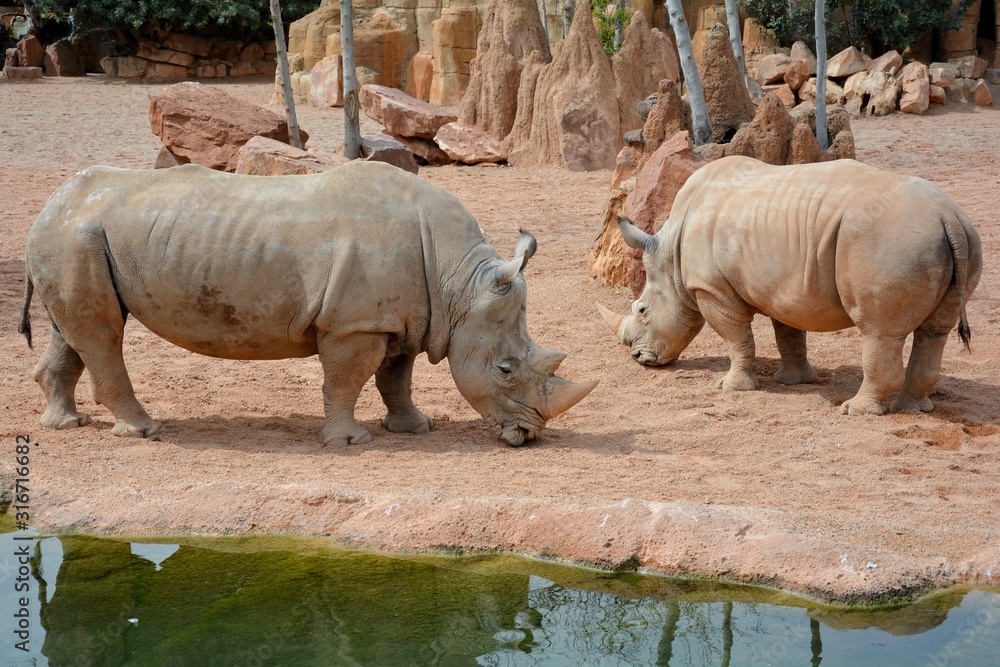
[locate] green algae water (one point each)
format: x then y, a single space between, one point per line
285 601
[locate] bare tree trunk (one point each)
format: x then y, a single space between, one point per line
569 8
352 124
735 37
696 96
619 24
545 19
821 135
286 79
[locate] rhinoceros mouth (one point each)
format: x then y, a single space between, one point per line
650 358
521 430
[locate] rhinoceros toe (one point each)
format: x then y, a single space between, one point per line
64 420
337 436
862 406
408 423
909 404
144 429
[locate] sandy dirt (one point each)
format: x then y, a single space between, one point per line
657 468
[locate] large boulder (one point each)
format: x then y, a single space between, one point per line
425 150
801 51
916 86
942 74
846 63
890 62
468 145
262 156
981 94
14 73
383 148
326 83
647 56
772 68
31 53
204 125
401 113
125 67
969 67
12 58
571 120
729 104
61 59
512 30
196 46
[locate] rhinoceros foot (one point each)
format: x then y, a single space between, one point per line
141 429
862 406
736 381
415 422
334 434
63 420
910 404
802 374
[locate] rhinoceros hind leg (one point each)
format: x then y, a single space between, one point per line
922 371
882 362
394 380
113 388
57 373
348 362
794 368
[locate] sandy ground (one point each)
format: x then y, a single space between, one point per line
656 469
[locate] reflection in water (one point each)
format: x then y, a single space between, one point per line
283 602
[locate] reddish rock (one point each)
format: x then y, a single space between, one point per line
425 150
784 93
252 52
511 31
453 47
400 113
942 74
468 144
796 74
12 58
937 95
326 83
969 67
21 73
845 63
61 59
667 116
834 93
196 46
205 125
772 68
125 67
151 51
165 159
729 104
166 71
801 51
889 61
261 156
916 97
31 53
418 80
383 148
656 185
228 49
981 95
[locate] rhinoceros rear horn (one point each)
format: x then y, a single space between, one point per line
561 395
523 251
546 362
635 237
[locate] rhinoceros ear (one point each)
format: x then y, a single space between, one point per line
635 237
523 251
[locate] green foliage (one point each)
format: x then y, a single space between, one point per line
874 26
608 17
243 16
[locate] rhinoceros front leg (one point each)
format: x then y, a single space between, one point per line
57 373
394 380
348 362
735 328
922 371
794 368
882 362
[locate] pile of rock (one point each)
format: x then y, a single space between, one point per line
875 87
430 135
177 56
30 60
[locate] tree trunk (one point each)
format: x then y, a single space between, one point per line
545 18
696 96
821 135
352 124
735 37
286 79
569 8
619 24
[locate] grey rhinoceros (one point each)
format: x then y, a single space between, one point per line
816 247
365 265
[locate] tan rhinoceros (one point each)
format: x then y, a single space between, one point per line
365 265
815 247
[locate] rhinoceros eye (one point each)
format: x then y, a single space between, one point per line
643 310
505 367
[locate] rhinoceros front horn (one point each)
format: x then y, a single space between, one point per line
561 395
617 322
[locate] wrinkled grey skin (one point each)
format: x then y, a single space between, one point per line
816 247
365 265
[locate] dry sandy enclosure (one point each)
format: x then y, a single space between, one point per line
656 468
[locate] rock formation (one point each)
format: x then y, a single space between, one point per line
729 104
453 46
647 57
261 156
400 113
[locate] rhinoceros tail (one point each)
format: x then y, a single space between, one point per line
24 326
958 239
